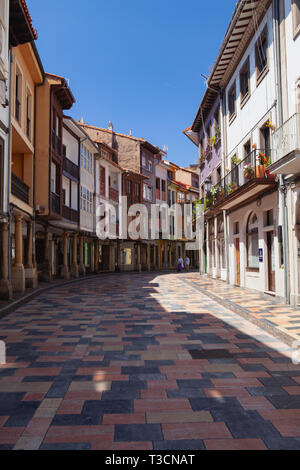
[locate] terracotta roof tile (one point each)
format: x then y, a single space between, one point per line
28 17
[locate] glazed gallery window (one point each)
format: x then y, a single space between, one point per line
86 159
296 17
252 242
261 54
147 193
86 200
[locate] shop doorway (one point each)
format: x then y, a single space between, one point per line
238 262
271 261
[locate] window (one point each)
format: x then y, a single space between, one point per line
195 181
137 190
296 17
232 102
86 200
245 81
147 193
18 96
269 218
28 114
150 165
261 55
86 159
163 190
252 242
218 174
265 139
247 149
180 197
157 188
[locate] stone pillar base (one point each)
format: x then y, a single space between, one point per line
75 271
65 274
18 278
81 269
5 290
45 274
31 278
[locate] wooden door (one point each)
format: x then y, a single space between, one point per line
238 262
271 262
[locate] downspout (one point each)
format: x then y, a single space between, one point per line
9 164
283 186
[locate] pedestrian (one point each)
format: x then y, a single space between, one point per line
187 263
180 264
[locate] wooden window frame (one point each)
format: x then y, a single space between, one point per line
245 97
231 93
296 27
260 75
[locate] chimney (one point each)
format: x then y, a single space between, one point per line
110 126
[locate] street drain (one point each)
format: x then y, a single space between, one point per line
210 354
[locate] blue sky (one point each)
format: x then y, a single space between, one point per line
137 63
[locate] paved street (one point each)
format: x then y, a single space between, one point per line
143 362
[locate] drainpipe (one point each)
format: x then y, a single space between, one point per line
283 186
9 163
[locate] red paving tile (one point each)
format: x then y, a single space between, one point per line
183 431
234 444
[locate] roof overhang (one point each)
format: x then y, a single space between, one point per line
62 91
21 30
289 165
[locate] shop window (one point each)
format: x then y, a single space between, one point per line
126 256
252 242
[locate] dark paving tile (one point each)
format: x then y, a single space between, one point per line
77 420
277 381
287 402
133 394
120 386
281 443
67 446
47 378
179 445
216 404
138 432
252 429
266 391
186 393
92 407
22 414
194 383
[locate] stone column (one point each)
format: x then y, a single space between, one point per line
65 273
81 256
96 256
5 285
148 258
30 270
166 264
18 272
46 274
139 266
74 267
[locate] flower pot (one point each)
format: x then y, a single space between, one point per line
269 176
260 171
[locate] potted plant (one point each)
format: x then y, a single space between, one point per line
248 171
254 146
235 160
269 162
270 125
261 166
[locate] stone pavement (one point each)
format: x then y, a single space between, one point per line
279 319
143 362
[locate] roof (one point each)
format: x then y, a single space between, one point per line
151 147
62 91
247 15
21 29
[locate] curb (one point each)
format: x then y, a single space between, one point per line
243 312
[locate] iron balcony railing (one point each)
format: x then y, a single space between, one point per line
253 167
286 138
19 189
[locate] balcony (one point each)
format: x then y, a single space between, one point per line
70 214
113 194
248 180
157 193
55 203
286 143
70 168
19 189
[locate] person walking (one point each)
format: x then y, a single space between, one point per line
187 263
180 264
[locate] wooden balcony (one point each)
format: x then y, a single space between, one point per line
70 214
19 189
113 195
70 168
